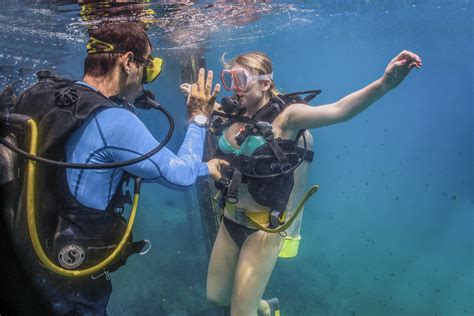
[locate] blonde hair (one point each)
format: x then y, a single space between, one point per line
256 61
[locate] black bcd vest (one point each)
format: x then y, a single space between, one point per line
59 106
269 171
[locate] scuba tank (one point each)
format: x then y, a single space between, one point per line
60 106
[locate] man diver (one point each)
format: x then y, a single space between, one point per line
91 123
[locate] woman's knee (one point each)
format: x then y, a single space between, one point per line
243 309
218 300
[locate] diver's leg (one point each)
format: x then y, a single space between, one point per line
82 297
257 259
223 261
263 308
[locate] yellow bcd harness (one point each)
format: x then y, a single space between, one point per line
260 219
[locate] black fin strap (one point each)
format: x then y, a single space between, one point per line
232 196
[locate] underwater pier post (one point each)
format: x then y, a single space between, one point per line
203 192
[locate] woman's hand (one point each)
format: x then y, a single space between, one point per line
200 100
399 68
185 88
215 166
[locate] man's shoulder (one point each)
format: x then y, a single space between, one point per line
116 117
113 113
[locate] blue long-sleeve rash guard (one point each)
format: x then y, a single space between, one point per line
116 134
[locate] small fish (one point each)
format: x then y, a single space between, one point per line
397 198
170 203
454 197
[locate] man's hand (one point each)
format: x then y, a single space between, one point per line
215 166
399 68
200 100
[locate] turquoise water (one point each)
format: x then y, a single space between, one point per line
391 230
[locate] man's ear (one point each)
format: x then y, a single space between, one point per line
128 60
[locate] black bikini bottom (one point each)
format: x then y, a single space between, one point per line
238 232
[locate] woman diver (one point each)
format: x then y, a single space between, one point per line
259 133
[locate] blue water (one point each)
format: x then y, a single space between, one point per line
391 230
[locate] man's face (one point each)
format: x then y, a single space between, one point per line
135 68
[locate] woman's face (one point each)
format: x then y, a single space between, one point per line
253 92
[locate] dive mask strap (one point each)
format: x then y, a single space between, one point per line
96 46
265 77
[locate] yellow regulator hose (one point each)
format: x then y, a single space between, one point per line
30 205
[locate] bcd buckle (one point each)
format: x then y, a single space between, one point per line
122 200
277 218
240 216
285 167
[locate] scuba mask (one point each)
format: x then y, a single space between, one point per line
240 79
153 65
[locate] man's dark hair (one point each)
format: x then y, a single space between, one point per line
124 36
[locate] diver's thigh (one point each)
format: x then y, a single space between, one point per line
257 259
222 263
